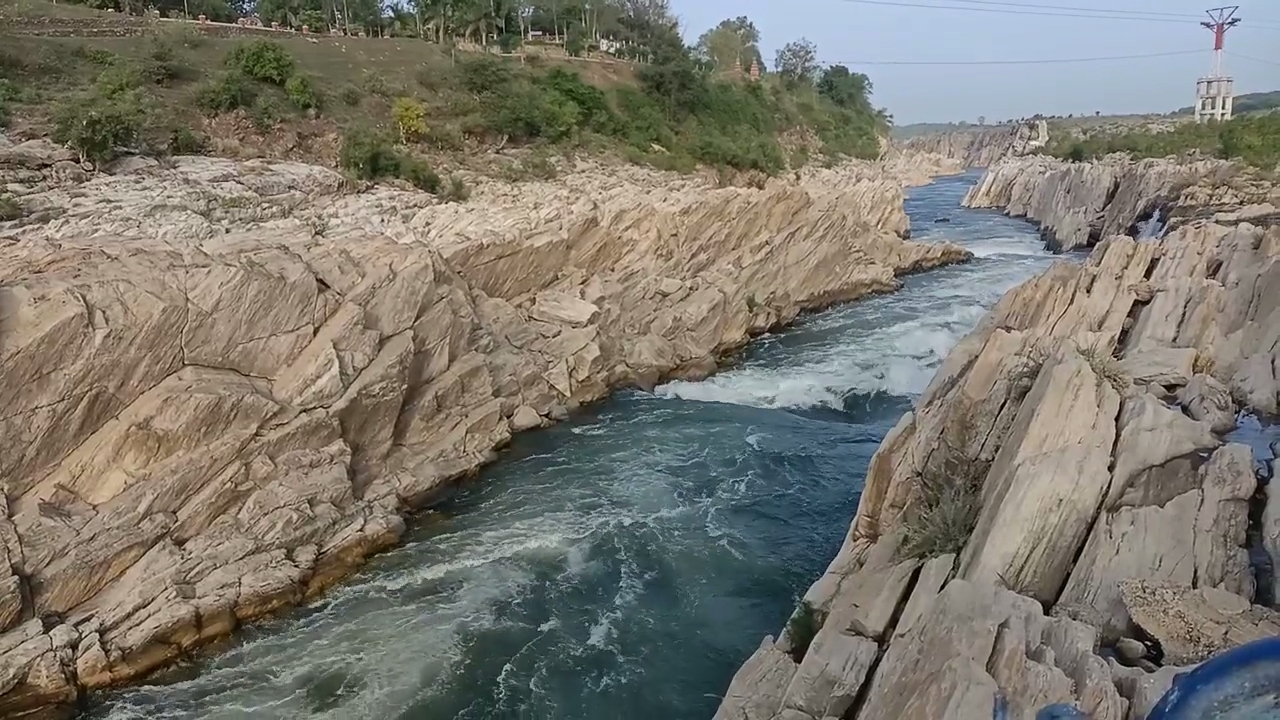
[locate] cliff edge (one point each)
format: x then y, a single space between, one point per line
224 384
983 147
1066 515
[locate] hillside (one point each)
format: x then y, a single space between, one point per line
110 83
1259 102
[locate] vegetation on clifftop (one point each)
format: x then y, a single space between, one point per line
1254 140
180 90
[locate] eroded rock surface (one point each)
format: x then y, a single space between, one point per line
981 147
223 384
1089 410
1079 204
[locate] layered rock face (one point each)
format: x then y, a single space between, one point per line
1079 431
223 383
984 147
1078 204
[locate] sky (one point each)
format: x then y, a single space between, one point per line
855 33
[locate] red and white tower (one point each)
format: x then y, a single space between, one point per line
1215 93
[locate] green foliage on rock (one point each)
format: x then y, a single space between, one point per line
945 510
1253 140
9 209
802 628
98 127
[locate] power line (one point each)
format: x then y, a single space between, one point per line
1010 11
1254 59
1034 6
1016 62
1011 8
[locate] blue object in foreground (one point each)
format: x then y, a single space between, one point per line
1240 684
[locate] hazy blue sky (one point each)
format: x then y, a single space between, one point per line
850 32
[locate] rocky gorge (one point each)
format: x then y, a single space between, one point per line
983 146
226 383
1069 513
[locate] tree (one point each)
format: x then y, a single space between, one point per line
982 119
798 61
731 41
846 89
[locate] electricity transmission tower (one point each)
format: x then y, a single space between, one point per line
1215 93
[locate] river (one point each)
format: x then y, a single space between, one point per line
623 564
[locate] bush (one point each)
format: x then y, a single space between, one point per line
118 79
369 156
419 174
9 209
455 191
262 60
185 141
302 93
96 127
374 84
266 113
226 93
945 512
484 76
350 96
410 118
802 628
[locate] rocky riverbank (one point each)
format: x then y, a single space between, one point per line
225 384
1064 517
1078 204
982 146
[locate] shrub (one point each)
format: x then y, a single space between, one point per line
262 60
575 43
266 113
419 174
4 113
9 90
350 95
96 127
97 56
302 93
802 627
510 42
455 191
374 84
185 141
368 155
118 79
410 118
484 75
228 92
946 509
9 208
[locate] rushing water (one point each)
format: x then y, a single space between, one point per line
622 565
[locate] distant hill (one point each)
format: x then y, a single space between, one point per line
1249 103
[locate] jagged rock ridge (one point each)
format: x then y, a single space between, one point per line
223 383
1078 204
1092 402
983 146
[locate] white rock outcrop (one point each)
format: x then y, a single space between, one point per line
1079 204
222 384
1109 513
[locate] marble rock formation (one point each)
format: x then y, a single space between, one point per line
223 384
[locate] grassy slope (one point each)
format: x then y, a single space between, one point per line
763 128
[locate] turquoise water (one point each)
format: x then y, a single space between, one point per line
622 565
